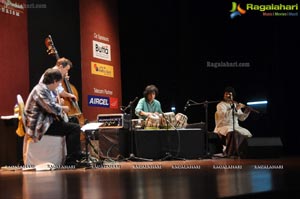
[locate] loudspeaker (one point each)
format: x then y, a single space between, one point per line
264 147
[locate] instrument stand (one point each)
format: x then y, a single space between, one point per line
88 161
132 156
169 155
207 154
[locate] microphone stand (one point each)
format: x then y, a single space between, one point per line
205 105
132 157
169 156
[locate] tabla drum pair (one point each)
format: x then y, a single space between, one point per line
170 120
166 121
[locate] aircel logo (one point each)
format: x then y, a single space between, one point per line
98 101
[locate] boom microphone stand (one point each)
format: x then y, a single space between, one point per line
132 157
205 105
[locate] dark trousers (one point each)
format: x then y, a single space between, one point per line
72 133
236 144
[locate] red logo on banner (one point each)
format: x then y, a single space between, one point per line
114 103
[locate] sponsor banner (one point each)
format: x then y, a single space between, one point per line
101 50
11 7
98 101
102 69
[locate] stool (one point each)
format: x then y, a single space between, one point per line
50 148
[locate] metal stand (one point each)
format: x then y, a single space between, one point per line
89 162
205 105
132 156
169 155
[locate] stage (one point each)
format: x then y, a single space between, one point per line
206 178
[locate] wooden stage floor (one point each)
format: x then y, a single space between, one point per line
207 178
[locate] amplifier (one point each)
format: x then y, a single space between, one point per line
111 120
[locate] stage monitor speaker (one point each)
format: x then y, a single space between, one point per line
264 147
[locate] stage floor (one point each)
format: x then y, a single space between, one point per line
206 178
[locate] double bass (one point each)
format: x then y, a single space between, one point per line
75 111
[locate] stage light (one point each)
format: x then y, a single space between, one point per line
173 109
257 102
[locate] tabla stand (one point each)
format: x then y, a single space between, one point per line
132 156
205 105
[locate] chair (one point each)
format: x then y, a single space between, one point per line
49 149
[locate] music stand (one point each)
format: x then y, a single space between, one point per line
89 130
205 105
132 156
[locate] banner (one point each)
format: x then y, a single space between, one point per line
100 58
14 62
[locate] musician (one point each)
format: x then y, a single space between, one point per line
227 118
148 104
63 65
42 113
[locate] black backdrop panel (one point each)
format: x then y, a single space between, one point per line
183 143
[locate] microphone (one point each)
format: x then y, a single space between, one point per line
136 98
186 105
130 103
231 96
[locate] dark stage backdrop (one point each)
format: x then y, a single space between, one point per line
60 19
174 45
13 55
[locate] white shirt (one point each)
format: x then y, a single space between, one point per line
224 120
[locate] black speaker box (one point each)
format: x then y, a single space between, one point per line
264 147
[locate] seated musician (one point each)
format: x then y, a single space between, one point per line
227 126
43 115
148 105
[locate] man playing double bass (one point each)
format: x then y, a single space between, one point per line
63 65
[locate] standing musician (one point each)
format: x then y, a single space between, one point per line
148 105
228 113
63 65
42 112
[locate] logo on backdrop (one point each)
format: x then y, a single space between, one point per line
102 69
11 8
114 103
101 51
98 101
104 102
236 10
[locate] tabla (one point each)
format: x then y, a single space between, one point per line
138 123
152 122
181 120
168 120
